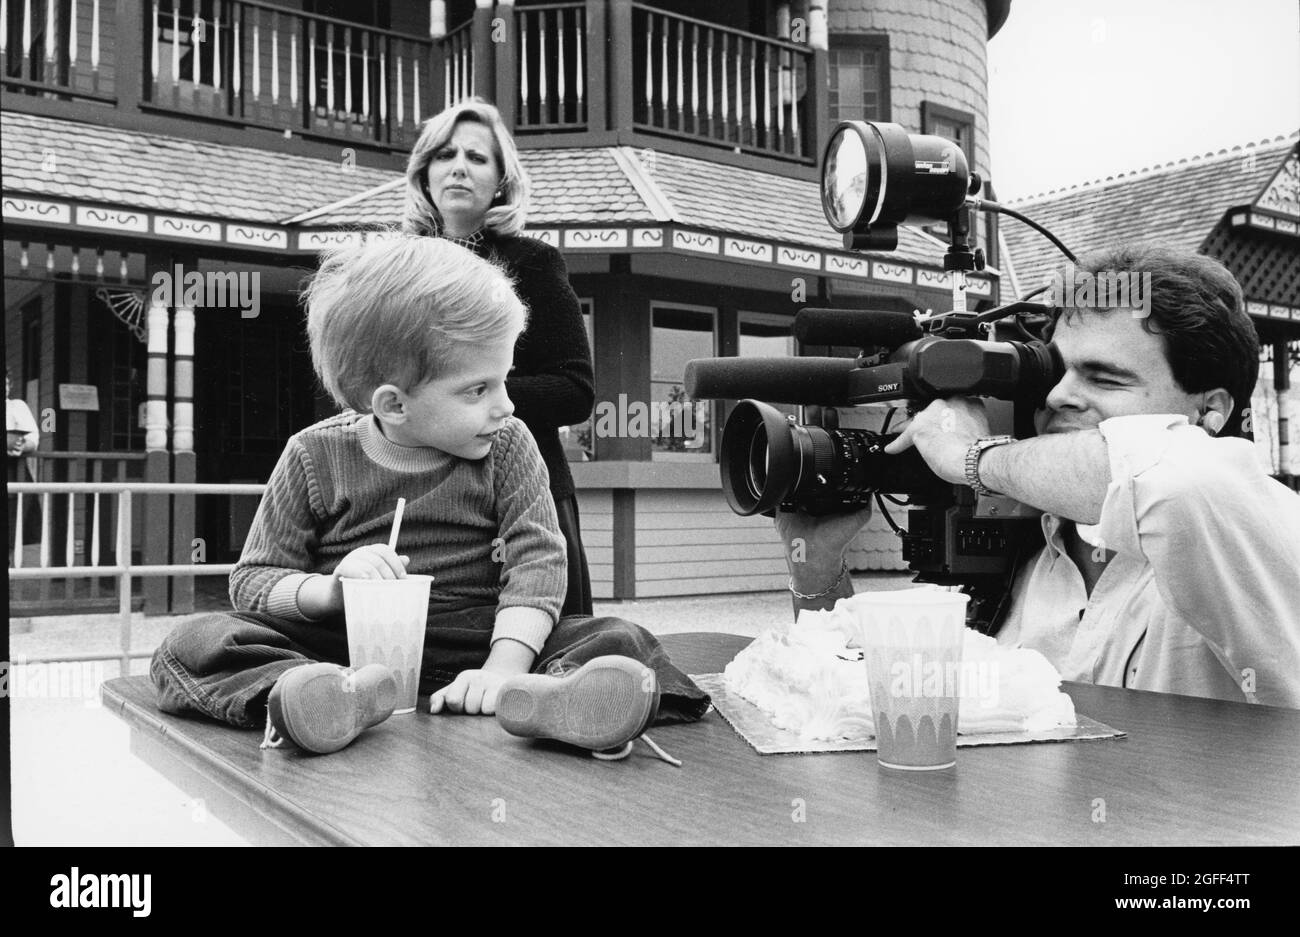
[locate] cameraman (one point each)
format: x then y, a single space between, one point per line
1172 560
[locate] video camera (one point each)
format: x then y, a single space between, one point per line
874 178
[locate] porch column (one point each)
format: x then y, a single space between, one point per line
620 50
1282 384
506 64
156 513
438 52
481 40
183 458
818 82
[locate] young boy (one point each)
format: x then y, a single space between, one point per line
415 337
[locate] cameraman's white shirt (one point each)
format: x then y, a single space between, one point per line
1202 596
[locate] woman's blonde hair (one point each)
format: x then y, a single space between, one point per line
508 211
403 310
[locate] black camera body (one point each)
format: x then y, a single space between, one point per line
769 460
874 178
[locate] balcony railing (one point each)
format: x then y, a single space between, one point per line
608 69
551 49
262 64
458 65
697 79
64 48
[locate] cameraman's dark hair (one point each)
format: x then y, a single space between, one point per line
1198 309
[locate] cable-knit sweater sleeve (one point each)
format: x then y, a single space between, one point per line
534 566
552 384
281 545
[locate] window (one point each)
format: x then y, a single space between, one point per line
859 78
954 125
959 127
680 429
576 439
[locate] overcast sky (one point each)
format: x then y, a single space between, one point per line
1082 90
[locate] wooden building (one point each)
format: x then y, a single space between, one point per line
674 153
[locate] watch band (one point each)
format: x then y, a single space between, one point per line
973 461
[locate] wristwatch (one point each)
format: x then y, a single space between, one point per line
973 461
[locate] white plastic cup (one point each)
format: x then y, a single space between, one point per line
912 643
386 621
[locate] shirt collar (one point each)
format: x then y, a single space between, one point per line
473 242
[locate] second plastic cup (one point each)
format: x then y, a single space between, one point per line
386 620
912 641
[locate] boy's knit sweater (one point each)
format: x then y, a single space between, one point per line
485 530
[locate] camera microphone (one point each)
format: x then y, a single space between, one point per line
780 380
855 327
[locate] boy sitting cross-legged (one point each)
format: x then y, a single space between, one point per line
415 336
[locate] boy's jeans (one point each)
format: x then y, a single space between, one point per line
224 664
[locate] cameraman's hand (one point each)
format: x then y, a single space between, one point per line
942 433
814 547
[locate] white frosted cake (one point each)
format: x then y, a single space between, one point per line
811 680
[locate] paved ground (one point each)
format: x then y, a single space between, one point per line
75 781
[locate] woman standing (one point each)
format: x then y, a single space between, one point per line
464 182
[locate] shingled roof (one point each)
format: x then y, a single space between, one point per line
622 185
571 186
1176 205
127 168
585 186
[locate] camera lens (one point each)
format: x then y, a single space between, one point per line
758 463
758 460
767 460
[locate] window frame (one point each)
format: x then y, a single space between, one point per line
713 437
877 42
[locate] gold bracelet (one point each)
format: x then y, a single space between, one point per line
844 568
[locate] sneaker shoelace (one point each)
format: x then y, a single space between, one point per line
271 738
621 753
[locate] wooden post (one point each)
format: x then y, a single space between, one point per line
133 48
1282 384
183 459
623 542
598 39
818 82
157 468
481 41
623 311
619 48
507 64
437 55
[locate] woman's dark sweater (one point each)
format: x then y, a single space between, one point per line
552 383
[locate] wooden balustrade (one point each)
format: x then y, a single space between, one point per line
458 65
551 43
266 65
253 63
697 79
56 48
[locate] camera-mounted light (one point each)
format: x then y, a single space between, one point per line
878 176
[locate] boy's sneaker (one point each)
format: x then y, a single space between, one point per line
605 704
322 707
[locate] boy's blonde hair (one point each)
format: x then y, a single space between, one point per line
400 310
507 213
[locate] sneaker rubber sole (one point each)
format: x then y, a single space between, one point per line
605 703
323 707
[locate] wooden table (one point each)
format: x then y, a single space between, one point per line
1191 771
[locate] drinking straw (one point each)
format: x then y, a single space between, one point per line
397 523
